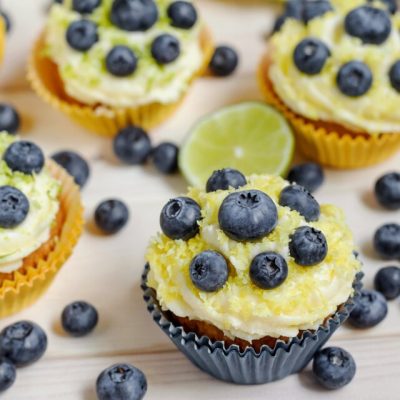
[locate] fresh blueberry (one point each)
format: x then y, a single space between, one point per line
7 20
390 4
132 145
387 241
23 343
121 382
209 271
82 35
14 207
334 367
224 61
316 8
79 318
308 246
354 79
279 23
370 309
371 25
224 179
165 158
394 76
111 216
165 48
268 270
8 373
299 199
310 56
294 9
24 157
387 190
179 218
121 61
134 15
309 175
9 118
74 164
247 215
182 14
387 282
85 6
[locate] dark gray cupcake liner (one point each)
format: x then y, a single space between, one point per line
248 367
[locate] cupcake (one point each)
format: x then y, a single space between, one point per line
250 282
41 219
111 63
333 69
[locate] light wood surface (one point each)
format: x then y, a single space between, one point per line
106 270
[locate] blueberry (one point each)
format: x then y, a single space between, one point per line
79 318
121 382
371 25
132 145
387 282
224 179
279 23
387 241
179 218
299 199
268 270
354 79
310 56
111 216
23 343
370 309
121 61
224 61
247 215
8 373
334 367
24 157
308 246
316 8
209 271
390 4
82 35
7 20
165 48
74 164
387 190
85 6
294 9
9 118
165 158
394 76
182 14
14 207
309 175
134 15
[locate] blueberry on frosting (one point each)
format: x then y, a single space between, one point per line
224 179
268 270
14 207
25 157
354 79
85 6
314 9
165 48
310 56
82 35
182 14
394 76
121 61
390 4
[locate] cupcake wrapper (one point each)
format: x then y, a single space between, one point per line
39 270
248 367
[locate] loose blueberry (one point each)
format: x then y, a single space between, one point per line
308 246
132 145
165 48
371 25
354 79
182 14
316 8
24 157
7 20
121 61
209 271
224 61
310 56
111 216
82 35
179 218
224 179
165 158
9 118
14 207
334 367
23 343
74 164
8 373
394 76
79 318
387 282
85 6
268 270
308 175
387 241
370 309
121 382
247 215
387 190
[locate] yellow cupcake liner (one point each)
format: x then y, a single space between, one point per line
31 281
329 144
103 120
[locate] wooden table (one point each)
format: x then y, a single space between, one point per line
106 270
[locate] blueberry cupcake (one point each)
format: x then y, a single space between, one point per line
250 277
333 68
111 63
40 222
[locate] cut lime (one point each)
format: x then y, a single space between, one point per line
250 137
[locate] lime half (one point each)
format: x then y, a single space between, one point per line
250 137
